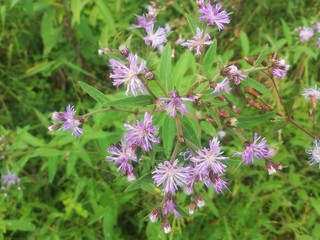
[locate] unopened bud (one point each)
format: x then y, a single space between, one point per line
252 92
103 51
249 60
211 120
166 226
54 127
222 113
154 215
192 207
149 75
232 122
225 71
199 201
124 51
131 176
271 170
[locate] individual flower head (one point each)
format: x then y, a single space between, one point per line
67 121
143 134
313 94
234 74
305 33
123 156
219 183
8 180
272 167
170 176
145 21
254 150
315 153
170 207
222 86
174 104
213 15
208 160
198 42
279 68
155 39
128 75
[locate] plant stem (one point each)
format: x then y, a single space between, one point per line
255 69
175 151
290 120
110 109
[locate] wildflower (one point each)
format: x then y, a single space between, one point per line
305 33
219 183
198 42
8 180
169 207
315 153
175 104
313 94
128 75
166 226
279 68
187 154
154 215
156 39
223 86
208 160
234 74
123 156
145 21
211 14
257 149
170 176
143 134
273 167
67 121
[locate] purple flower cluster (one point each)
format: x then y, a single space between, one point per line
174 105
279 68
198 42
213 15
308 33
129 74
155 38
222 87
258 149
142 135
67 121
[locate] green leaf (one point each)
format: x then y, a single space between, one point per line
18 225
246 122
52 168
258 86
141 100
166 68
183 65
192 23
145 179
244 43
315 203
76 8
50 35
168 135
287 32
71 163
262 55
210 56
189 133
94 93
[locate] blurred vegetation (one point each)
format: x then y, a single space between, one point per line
69 192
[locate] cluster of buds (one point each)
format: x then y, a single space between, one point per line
258 105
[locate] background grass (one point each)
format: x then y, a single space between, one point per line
70 192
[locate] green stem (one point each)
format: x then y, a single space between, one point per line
175 151
112 109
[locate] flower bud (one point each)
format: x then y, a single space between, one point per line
124 51
252 92
103 51
149 75
166 226
154 215
192 207
54 127
271 170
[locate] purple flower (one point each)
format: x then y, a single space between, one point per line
8 180
169 207
219 184
143 134
128 75
257 149
209 160
305 33
123 156
145 21
211 14
67 121
175 104
279 68
235 75
223 86
315 153
155 39
313 94
170 176
198 42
